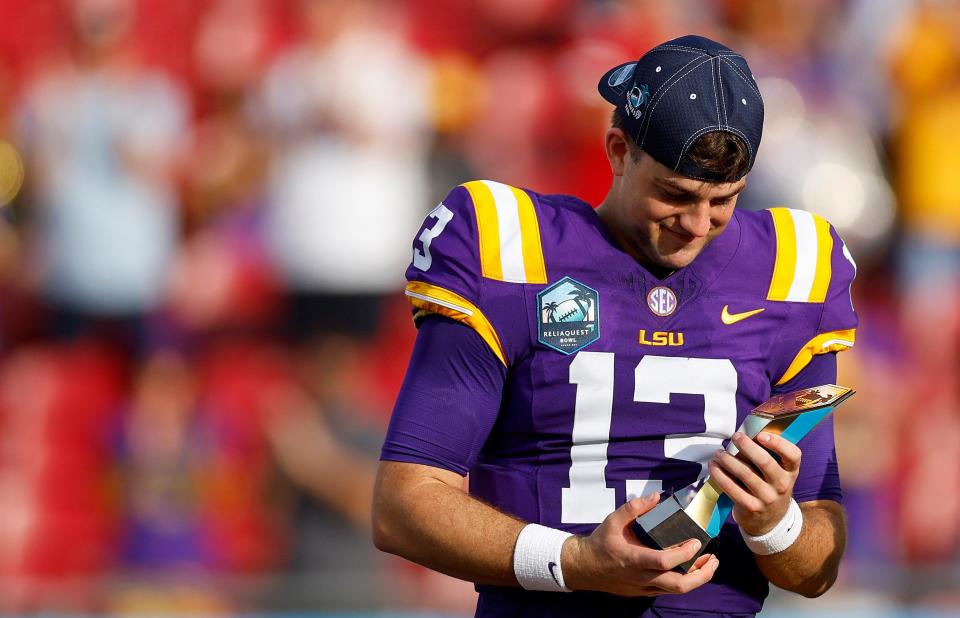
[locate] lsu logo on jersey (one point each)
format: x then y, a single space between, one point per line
660 338
569 315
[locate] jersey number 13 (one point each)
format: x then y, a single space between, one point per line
588 499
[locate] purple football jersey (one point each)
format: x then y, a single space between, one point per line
617 383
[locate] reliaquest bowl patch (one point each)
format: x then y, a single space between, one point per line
569 315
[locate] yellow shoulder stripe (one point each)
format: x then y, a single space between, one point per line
434 299
509 233
834 341
801 271
536 269
786 259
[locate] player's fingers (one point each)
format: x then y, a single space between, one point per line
616 527
700 562
670 558
672 582
730 487
695 579
755 484
758 456
790 454
634 508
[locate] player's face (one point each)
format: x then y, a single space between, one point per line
664 220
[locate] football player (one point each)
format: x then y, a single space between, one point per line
576 362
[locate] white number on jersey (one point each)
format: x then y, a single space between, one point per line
423 260
588 499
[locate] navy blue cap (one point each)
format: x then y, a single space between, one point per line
680 90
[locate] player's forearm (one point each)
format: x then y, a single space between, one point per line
422 514
809 566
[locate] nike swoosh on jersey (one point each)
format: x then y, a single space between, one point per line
732 318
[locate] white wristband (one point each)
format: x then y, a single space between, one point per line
536 558
781 537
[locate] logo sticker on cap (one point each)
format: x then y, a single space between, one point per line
636 98
621 75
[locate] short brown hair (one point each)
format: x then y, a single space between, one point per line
720 152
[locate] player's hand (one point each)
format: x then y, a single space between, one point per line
760 495
613 560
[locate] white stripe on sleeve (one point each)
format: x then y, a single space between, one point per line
511 241
806 265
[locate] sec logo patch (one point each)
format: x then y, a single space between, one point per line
662 301
569 315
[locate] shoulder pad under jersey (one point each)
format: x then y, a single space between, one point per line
482 234
813 265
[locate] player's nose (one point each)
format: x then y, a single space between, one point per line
696 221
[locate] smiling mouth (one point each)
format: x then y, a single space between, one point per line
682 236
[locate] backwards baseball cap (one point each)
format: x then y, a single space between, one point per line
680 90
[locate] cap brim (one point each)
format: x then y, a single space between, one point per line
615 82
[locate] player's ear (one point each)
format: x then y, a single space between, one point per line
617 149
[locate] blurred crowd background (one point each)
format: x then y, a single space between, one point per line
207 209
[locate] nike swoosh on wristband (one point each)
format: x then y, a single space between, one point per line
551 565
732 318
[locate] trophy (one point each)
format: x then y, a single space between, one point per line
699 511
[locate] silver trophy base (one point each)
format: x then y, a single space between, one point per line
667 525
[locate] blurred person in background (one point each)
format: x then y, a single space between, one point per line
165 453
101 135
346 112
222 278
203 503
227 294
